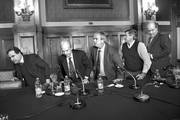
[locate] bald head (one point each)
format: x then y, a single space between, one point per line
152 29
66 47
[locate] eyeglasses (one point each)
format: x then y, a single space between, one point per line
151 30
65 51
96 39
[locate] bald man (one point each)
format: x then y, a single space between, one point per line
159 48
73 63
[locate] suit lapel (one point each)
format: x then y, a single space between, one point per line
154 40
65 65
105 59
75 59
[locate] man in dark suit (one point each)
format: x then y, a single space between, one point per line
105 59
73 63
159 48
29 67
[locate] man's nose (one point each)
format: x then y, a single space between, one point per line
12 59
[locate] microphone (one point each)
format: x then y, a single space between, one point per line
84 92
134 86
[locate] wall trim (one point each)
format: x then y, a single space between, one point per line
178 43
6 25
85 23
164 22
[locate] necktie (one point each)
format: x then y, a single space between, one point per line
21 64
72 72
149 42
97 63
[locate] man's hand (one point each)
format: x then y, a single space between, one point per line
85 80
14 79
141 76
150 55
48 81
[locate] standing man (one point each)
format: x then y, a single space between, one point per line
159 48
29 67
105 59
73 63
136 58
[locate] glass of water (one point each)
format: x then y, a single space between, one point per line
3 116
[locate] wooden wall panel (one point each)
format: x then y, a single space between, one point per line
55 12
6 42
82 41
164 13
6 11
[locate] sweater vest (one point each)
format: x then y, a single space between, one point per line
132 60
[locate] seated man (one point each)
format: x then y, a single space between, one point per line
29 67
105 59
73 63
136 58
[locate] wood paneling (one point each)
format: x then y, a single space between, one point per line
164 13
83 40
6 11
6 42
55 12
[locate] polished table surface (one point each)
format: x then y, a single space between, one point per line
114 104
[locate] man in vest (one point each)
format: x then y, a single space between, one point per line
135 55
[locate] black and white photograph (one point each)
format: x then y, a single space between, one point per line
89 59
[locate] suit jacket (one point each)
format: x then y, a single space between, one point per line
112 60
160 48
81 62
32 68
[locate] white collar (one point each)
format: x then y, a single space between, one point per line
130 44
22 59
102 49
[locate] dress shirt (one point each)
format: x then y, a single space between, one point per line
22 60
143 54
102 61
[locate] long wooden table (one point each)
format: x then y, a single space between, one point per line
114 104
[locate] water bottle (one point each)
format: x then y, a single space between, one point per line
157 78
157 75
100 85
67 90
38 88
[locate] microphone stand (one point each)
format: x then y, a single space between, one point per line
83 92
135 86
78 103
141 97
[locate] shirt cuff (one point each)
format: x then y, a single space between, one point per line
151 56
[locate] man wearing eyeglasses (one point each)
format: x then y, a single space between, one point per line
105 59
73 63
159 48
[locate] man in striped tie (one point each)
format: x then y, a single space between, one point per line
73 63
